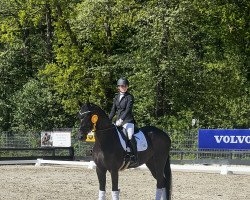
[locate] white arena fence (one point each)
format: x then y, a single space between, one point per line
20 146
221 169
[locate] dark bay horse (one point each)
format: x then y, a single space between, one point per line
108 153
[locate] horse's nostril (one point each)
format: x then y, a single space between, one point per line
80 137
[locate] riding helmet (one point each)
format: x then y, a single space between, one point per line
123 81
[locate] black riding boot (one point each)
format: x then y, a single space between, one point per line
133 146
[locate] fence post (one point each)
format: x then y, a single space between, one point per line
71 153
197 155
38 162
182 153
54 152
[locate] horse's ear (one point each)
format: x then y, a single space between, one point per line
79 104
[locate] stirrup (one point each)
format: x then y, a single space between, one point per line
127 157
133 158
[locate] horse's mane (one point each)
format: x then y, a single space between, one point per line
97 108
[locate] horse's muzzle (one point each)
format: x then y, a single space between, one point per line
81 136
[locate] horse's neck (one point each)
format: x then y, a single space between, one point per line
106 135
107 142
106 138
104 122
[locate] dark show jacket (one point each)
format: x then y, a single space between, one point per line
123 108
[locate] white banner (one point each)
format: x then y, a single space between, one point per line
56 139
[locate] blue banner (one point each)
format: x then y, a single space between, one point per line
229 139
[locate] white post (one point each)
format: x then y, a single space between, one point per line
38 162
224 170
91 165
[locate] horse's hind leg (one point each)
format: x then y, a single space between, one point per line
156 166
101 174
151 166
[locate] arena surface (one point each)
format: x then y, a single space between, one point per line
77 183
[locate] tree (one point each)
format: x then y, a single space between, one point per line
185 59
36 109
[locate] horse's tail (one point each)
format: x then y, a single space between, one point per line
168 177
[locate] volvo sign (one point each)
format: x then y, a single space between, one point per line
229 139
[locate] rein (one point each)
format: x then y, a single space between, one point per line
113 126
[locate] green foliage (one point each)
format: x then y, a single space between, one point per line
185 59
36 109
13 73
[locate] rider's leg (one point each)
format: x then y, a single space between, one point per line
130 130
134 148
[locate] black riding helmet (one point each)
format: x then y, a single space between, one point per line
122 81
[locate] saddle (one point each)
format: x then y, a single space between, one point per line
125 134
130 159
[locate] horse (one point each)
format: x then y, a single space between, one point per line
108 153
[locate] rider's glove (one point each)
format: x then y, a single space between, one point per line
119 122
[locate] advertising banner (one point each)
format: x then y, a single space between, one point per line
56 139
227 139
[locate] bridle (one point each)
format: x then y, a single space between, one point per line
94 120
84 112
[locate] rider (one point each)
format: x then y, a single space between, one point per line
122 107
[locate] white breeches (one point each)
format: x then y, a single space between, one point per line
130 129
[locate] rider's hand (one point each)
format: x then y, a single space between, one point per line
119 122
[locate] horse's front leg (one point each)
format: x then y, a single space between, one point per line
115 190
101 173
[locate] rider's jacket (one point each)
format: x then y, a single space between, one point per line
123 108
